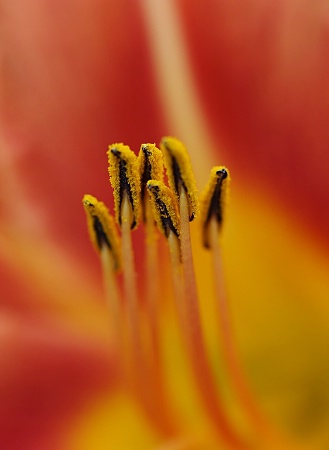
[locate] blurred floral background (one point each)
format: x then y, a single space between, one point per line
244 84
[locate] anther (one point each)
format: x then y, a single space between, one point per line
102 229
125 180
150 164
164 207
213 200
180 174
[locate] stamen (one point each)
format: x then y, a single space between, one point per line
105 238
213 200
180 173
150 162
125 179
166 215
212 205
197 349
135 360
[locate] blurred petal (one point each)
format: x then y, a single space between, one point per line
72 83
48 372
262 73
55 349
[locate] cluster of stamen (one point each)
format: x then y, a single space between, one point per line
140 195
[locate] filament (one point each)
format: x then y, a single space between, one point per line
131 299
152 286
197 350
159 397
112 296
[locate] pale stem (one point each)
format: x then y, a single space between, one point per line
112 296
137 368
160 398
177 277
131 298
152 287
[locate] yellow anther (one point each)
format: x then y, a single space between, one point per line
150 164
213 199
102 229
180 173
125 179
164 207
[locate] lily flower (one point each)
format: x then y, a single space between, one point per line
244 85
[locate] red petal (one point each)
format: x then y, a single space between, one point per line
262 71
48 373
77 77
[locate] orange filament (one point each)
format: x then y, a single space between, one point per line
131 299
137 367
152 283
199 359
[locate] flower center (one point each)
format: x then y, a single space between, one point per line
140 195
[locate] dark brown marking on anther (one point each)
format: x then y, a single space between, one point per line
180 183
100 234
124 186
165 218
215 207
166 221
177 176
146 175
